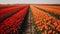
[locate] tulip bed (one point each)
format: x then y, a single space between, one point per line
12 24
5 6
53 9
44 19
45 23
10 10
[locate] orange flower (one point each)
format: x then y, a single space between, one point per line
39 28
44 20
43 33
46 27
53 32
59 22
58 28
50 31
55 24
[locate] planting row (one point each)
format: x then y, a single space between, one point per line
7 6
46 24
50 9
8 11
12 24
51 6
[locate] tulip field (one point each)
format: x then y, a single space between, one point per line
29 19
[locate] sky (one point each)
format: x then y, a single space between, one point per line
29 1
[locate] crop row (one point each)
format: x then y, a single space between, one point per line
50 9
51 6
12 24
10 10
45 23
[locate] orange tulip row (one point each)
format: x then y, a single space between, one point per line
45 22
50 6
50 9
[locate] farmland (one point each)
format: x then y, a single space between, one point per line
29 19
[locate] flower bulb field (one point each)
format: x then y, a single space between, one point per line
29 19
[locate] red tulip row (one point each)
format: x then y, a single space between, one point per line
12 23
6 6
45 23
3 6
10 10
55 9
